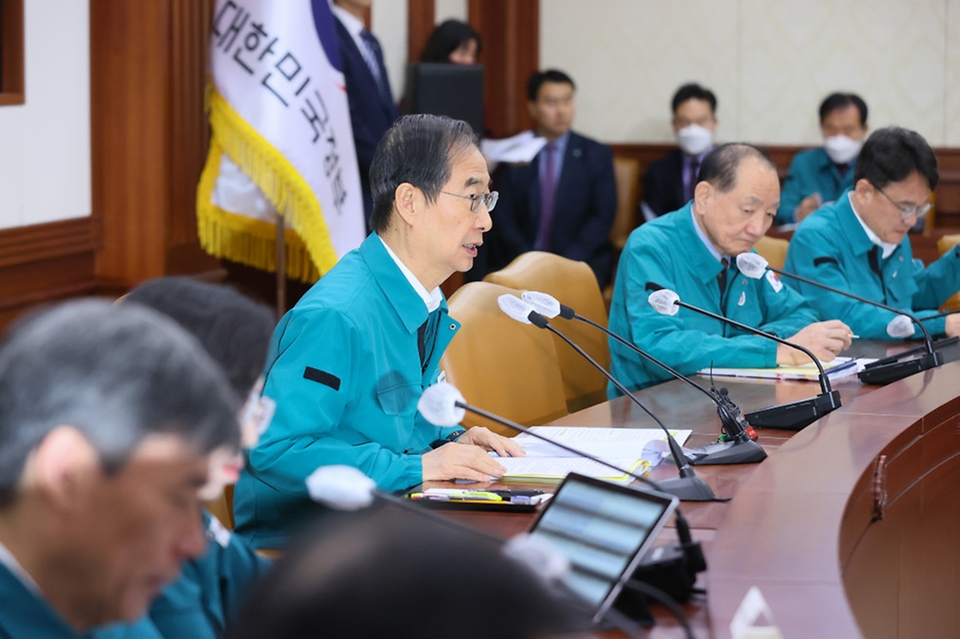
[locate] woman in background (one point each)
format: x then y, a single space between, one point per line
452 41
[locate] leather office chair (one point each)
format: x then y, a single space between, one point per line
574 284
944 244
222 507
626 172
499 364
773 249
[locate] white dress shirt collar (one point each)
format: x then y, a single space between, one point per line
432 298
887 248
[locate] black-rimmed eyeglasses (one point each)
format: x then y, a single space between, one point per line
907 212
488 199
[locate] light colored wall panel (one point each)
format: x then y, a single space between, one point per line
45 172
770 62
388 21
952 76
450 10
794 53
627 60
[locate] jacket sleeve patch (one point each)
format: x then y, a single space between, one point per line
321 377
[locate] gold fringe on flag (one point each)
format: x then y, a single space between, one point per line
250 241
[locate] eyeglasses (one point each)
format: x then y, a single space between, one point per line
907 212
488 199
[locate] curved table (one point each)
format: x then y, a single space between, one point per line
849 528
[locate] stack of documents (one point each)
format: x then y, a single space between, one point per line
633 449
835 369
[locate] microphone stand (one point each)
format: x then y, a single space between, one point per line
694 560
795 415
735 427
886 371
739 448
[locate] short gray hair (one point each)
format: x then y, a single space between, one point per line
117 373
720 166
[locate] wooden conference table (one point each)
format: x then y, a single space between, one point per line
849 528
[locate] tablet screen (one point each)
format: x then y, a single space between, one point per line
604 529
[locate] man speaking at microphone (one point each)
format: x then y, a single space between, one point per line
348 363
692 251
860 245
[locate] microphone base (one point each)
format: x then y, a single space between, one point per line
894 371
735 452
795 415
687 489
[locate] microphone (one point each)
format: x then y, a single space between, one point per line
792 416
442 404
736 429
754 265
688 486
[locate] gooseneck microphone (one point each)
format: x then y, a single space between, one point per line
792 416
735 427
754 265
442 405
688 486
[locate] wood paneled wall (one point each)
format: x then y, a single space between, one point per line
149 136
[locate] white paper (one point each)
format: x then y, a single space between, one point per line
522 147
627 448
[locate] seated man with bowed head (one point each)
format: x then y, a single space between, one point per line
235 331
692 251
348 363
109 416
819 176
860 244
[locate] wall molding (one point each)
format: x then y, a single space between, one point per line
42 263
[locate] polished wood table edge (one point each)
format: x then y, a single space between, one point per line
742 554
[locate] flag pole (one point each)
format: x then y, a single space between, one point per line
281 268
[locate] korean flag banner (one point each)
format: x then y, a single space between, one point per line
281 139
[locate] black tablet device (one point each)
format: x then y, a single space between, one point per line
604 529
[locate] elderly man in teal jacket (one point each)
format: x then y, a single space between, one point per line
817 177
349 362
691 251
860 244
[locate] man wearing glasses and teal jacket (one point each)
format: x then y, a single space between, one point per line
348 363
860 244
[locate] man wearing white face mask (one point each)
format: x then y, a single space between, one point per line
669 182
818 176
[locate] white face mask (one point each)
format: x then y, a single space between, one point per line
842 149
694 139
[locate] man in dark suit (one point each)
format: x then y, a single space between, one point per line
564 201
372 109
669 182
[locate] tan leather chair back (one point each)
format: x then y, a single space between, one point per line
773 249
222 507
574 284
626 172
499 364
944 244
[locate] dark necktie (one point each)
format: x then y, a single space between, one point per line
548 189
427 339
722 279
370 53
692 183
